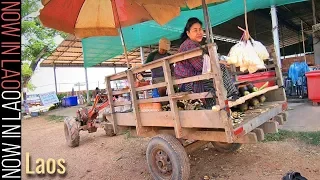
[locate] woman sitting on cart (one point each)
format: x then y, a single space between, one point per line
191 38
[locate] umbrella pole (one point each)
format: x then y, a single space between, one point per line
209 36
121 35
124 48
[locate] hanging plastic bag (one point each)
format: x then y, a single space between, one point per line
251 60
206 67
236 54
245 56
260 49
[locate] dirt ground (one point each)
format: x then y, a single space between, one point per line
122 158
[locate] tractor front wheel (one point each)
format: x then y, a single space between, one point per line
108 128
71 131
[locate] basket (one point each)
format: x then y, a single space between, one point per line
141 83
150 107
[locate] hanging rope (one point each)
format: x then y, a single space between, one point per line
246 36
246 18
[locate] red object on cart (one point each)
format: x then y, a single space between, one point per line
258 76
313 79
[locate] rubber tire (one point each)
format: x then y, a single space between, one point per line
71 131
226 147
176 153
109 130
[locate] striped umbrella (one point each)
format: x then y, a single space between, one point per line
87 18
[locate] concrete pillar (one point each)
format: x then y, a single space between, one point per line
316 49
275 32
316 46
55 78
142 54
87 84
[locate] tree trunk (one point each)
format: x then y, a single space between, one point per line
33 65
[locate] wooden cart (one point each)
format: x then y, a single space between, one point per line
167 152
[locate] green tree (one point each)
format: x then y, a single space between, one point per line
38 41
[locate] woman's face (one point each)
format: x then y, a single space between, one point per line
195 33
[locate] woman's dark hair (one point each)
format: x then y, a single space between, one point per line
190 22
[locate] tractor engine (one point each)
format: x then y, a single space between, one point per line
85 120
82 116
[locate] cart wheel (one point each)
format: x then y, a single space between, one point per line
109 130
226 147
167 158
71 131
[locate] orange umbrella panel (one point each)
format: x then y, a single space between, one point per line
85 18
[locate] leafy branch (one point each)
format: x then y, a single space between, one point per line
38 41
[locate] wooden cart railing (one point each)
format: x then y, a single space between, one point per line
206 125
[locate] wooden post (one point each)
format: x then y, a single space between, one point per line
173 102
217 76
220 91
111 104
234 70
214 59
133 93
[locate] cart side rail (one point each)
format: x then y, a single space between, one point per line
184 127
266 122
172 97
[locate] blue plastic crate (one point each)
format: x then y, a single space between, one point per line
73 100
